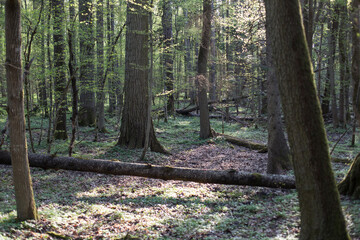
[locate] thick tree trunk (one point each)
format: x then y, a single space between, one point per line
279 158
229 177
87 113
60 68
201 78
350 185
25 203
134 115
321 213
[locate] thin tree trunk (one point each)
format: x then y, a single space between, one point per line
25 203
201 78
166 21
100 114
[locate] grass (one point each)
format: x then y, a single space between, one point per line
75 205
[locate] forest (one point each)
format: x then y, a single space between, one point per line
168 119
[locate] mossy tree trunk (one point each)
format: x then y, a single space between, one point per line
321 214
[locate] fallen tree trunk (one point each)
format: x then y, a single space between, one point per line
245 143
229 177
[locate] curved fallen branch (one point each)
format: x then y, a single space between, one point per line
229 177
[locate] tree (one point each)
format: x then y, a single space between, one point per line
87 113
25 203
321 214
134 115
350 185
201 78
59 68
100 119
278 150
166 21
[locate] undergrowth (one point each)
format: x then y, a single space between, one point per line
75 205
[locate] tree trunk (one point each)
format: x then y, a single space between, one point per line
350 185
343 61
334 26
134 116
201 78
212 75
228 177
100 115
25 203
279 158
166 21
110 36
355 70
87 113
321 214
59 68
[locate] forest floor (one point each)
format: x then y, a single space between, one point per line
78 205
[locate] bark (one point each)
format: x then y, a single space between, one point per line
321 213
228 177
343 62
87 113
59 68
279 158
334 26
350 185
166 21
201 78
100 115
134 116
355 71
110 36
212 75
25 203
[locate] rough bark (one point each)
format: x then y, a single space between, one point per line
87 113
59 68
350 185
321 213
134 115
279 158
166 21
229 177
25 203
201 78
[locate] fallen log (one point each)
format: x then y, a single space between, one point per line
228 177
245 143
